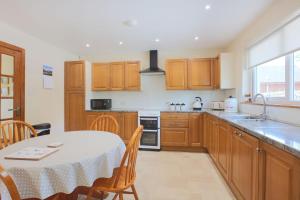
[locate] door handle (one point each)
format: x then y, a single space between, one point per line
14 109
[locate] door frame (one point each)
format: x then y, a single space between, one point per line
21 81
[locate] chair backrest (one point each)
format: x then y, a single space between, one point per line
10 185
129 159
105 123
15 131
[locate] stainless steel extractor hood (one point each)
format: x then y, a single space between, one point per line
153 69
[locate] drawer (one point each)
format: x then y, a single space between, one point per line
174 120
174 137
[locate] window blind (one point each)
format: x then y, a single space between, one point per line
282 41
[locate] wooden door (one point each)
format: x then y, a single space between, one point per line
74 76
132 76
12 84
100 76
196 129
174 137
243 176
74 111
224 148
117 74
130 125
281 174
176 74
200 74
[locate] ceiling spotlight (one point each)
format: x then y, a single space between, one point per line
130 22
207 7
87 45
157 40
121 43
196 38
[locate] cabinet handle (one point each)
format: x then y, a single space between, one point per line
259 150
240 134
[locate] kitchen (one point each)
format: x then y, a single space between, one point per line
218 110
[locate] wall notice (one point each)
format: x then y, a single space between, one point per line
48 76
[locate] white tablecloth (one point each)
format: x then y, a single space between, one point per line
84 157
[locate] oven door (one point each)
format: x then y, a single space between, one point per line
149 123
150 139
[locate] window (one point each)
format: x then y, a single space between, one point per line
279 79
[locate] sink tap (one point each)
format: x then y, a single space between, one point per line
264 114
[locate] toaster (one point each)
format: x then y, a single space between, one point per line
217 105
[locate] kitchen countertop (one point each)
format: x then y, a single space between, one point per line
281 135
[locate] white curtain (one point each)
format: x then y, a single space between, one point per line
284 40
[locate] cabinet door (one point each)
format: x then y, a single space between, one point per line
281 174
100 76
117 75
244 165
174 137
224 148
176 74
74 111
130 125
132 76
196 129
120 119
90 117
217 73
214 139
200 74
74 76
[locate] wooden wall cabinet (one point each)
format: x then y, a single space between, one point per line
224 71
100 76
132 76
176 74
200 74
243 176
116 76
281 174
74 89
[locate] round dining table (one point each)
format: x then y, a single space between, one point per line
84 157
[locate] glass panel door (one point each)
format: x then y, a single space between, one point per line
7 87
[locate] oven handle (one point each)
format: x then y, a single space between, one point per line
150 130
149 119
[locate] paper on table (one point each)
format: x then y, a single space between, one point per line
31 153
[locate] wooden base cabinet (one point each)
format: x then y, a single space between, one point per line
224 141
174 137
280 174
130 124
196 130
243 177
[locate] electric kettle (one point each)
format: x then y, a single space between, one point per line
197 105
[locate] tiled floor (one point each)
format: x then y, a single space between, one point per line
178 176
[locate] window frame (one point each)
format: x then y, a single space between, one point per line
289 98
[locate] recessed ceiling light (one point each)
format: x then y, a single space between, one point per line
130 22
121 43
196 38
207 7
87 45
157 40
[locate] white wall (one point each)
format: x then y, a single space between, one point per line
41 105
275 15
153 94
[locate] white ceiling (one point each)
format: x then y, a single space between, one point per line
71 24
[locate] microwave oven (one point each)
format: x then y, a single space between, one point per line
100 104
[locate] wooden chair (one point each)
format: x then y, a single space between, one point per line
15 131
105 123
124 176
10 185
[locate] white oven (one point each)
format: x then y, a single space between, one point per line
151 134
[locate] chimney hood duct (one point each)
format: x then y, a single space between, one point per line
153 69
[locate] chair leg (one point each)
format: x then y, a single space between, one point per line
121 196
134 192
